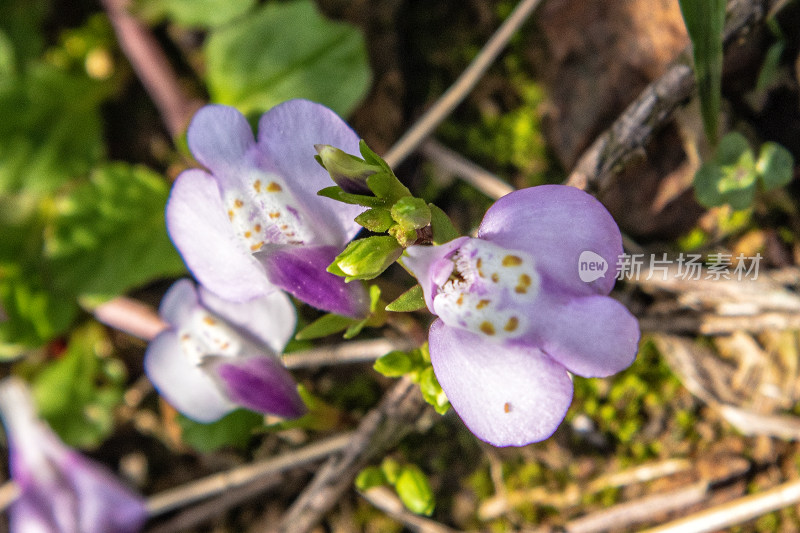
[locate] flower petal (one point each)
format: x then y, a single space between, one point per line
429 265
186 386
270 319
301 271
287 134
258 383
104 503
219 138
593 336
201 232
506 394
178 302
555 224
87 499
60 490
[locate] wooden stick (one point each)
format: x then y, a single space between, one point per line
453 96
735 512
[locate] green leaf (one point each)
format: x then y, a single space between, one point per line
109 234
378 220
21 21
194 13
443 229
8 61
234 430
411 300
368 258
324 326
775 165
432 391
287 50
77 393
740 175
370 477
411 213
705 21
394 364
732 148
415 491
770 68
730 178
34 311
391 470
51 129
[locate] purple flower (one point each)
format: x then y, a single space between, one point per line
515 317
255 221
218 355
60 491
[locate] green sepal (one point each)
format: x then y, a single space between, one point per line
405 237
366 258
414 490
386 185
371 157
411 300
336 193
443 228
411 213
348 171
377 220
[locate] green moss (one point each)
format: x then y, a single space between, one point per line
623 405
508 141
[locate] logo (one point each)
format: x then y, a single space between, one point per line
591 266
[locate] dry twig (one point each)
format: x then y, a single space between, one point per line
152 67
735 512
597 167
453 96
220 483
385 500
380 430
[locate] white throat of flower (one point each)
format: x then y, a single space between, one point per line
487 290
205 334
264 211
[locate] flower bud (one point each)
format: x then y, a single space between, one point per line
347 171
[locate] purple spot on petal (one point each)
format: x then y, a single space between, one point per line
301 271
261 384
